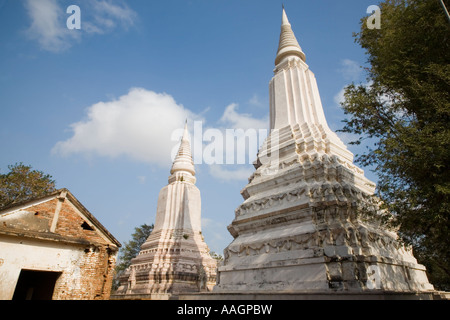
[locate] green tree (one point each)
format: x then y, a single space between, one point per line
216 256
405 108
130 250
22 183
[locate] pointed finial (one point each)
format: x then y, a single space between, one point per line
284 18
288 45
186 132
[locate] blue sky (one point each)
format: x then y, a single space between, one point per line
96 107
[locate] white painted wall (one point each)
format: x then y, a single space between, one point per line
20 253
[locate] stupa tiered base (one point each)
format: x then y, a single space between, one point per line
170 262
309 228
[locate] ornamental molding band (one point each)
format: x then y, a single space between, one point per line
309 221
175 258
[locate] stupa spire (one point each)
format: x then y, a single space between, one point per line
183 161
288 45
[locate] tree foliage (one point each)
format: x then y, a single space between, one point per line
22 183
131 248
405 108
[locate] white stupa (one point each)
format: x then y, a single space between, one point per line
175 258
303 226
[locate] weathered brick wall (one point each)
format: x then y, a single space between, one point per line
98 270
89 273
94 273
69 222
70 225
97 265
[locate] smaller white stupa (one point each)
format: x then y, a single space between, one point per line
175 258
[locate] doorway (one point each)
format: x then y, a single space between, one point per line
35 285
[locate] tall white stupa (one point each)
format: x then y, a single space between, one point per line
308 221
175 258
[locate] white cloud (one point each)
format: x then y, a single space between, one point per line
346 137
239 172
350 70
108 15
143 126
48 21
212 229
232 119
339 97
142 179
48 25
139 125
253 134
254 101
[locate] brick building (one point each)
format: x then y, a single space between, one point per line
54 248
